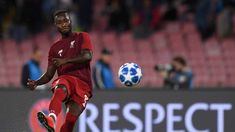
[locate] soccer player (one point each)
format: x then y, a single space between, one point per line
70 57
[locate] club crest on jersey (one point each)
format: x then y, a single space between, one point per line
60 52
72 44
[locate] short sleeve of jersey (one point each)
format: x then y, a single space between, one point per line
86 41
50 57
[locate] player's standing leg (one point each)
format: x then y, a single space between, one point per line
73 112
55 107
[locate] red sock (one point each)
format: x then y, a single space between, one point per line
56 101
69 123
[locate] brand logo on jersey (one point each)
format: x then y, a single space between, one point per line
72 44
60 52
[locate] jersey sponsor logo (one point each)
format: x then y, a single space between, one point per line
72 43
60 52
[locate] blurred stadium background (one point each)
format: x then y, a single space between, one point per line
144 32
147 32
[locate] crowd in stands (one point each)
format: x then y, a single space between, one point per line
20 19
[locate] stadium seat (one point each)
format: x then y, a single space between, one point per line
212 61
189 28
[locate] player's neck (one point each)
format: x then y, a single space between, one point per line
65 35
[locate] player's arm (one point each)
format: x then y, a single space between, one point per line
84 57
45 78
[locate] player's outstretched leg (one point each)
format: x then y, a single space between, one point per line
55 108
71 116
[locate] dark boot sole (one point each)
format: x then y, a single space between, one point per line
42 119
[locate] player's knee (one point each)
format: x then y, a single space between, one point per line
62 87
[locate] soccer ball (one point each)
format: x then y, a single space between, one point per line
130 74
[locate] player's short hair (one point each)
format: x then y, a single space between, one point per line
180 60
59 12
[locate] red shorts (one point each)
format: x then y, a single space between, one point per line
77 90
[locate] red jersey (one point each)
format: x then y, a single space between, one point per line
71 47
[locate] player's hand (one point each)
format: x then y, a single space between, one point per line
32 84
58 62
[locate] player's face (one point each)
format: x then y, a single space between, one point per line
63 23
